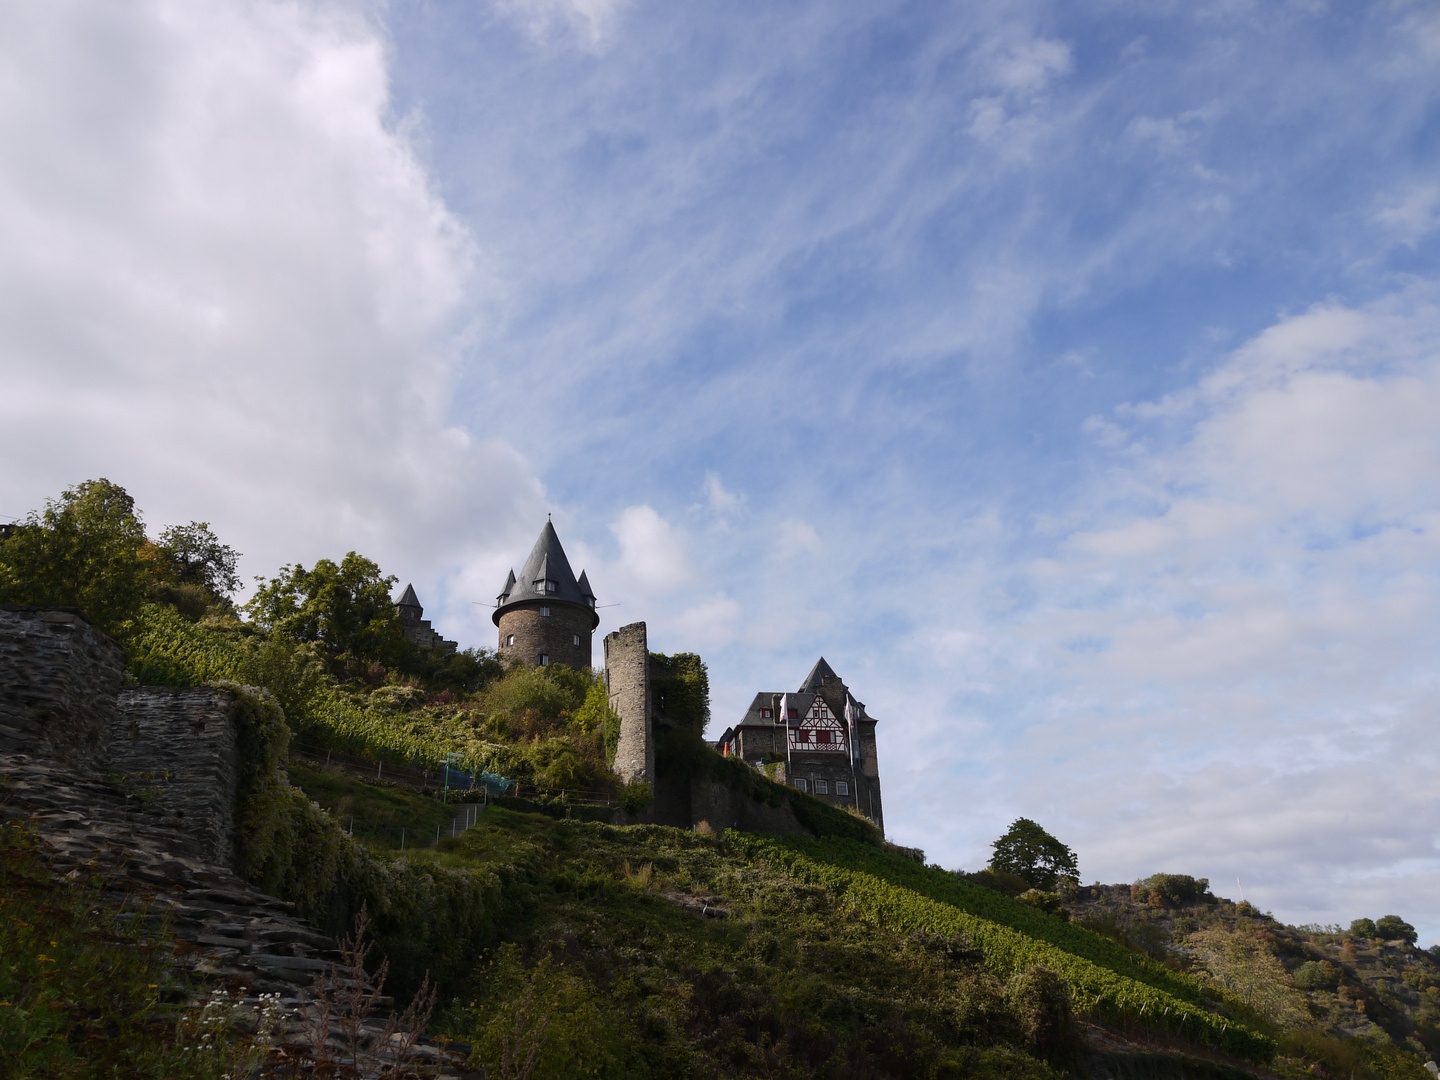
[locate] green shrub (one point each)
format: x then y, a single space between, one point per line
1040 999
1394 928
1363 928
1172 890
1317 975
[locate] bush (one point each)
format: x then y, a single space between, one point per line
1394 928
1040 999
1363 928
1317 975
1172 890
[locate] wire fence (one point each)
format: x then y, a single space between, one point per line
447 779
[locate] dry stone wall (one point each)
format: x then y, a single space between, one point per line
177 750
58 680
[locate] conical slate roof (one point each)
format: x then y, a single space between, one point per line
408 598
820 671
547 563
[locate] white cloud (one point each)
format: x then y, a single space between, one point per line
721 501
1258 695
653 559
796 538
228 285
592 22
1411 214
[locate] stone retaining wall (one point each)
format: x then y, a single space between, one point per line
58 680
177 750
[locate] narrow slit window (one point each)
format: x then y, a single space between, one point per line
509 639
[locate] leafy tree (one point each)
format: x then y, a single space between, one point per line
1394 928
1028 851
87 550
199 558
1172 890
681 686
1363 928
346 608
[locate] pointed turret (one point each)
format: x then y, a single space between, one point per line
545 615
408 599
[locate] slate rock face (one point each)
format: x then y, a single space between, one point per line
134 792
58 680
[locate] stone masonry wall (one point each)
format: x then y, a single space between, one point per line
553 634
176 750
627 674
58 679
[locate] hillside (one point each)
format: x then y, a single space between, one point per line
563 936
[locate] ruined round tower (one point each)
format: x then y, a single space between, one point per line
545 616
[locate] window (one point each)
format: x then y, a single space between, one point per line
545 611
509 639
766 714
544 659
801 784
794 714
842 787
590 600
822 787
577 640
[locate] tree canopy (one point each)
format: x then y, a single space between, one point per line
87 550
345 607
1028 851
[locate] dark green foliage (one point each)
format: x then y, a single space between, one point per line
424 918
199 558
346 608
599 974
1174 890
1363 928
1009 884
1028 851
1317 975
680 685
1040 999
87 550
1394 928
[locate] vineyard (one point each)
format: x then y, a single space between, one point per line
1101 991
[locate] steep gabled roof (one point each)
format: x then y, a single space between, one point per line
585 589
408 598
547 562
819 672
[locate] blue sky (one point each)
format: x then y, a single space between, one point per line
1066 375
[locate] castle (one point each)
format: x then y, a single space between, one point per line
818 739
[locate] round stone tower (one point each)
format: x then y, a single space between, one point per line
545 616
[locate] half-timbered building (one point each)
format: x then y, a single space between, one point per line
818 738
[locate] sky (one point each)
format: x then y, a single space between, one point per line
1066 375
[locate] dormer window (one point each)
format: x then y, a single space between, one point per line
543 585
590 600
766 714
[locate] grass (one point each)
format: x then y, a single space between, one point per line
380 811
